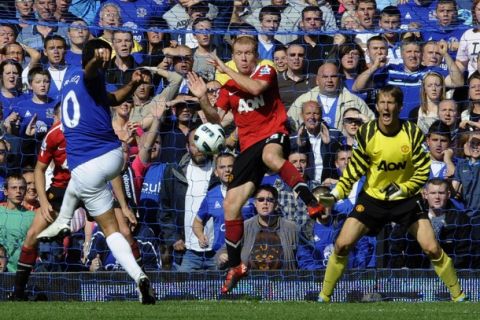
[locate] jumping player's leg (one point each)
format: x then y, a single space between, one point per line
351 232
124 229
233 203
274 158
442 264
28 256
234 200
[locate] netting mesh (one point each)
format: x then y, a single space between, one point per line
432 60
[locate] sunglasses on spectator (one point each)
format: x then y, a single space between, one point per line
356 121
213 90
182 58
263 199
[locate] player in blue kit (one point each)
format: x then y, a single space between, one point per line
94 155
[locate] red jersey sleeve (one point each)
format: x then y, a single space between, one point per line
266 73
223 101
47 149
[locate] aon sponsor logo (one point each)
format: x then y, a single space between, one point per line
250 104
391 166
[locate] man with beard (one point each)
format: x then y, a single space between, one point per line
184 185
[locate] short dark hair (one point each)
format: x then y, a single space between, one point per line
13 176
311 8
394 91
222 156
269 188
38 70
440 128
52 37
201 19
376 38
390 11
271 10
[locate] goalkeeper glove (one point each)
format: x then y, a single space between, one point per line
393 191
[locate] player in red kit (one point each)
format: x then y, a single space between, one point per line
252 95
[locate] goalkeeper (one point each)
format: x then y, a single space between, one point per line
394 178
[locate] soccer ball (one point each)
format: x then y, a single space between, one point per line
209 138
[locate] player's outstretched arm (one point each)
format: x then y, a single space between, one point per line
199 89
46 209
118 97
247 84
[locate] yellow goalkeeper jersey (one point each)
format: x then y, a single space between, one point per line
400 159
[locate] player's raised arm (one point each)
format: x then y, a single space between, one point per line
118 97
199 89
243 80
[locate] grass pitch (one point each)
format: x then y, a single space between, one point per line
223 310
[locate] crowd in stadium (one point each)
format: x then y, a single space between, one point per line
329 57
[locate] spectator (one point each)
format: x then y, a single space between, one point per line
174 131
352 120
204 49
3 259
452 228
334 98
291 18
351 60
421 12
14 219
33 35
407 76
431 93
10 87
30 201
470 117
293 81
8 34
366 11
4 149
109 21
38 110
62 13
270 241
55 49
317 46
151 53
270 18
133 14
468 47
17 52
448 114
142 97
389 24
447 27
280 59
121 67
291 206
24 12
184 185
182 62
466 176
78 35
441 154
319 140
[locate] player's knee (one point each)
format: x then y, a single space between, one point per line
272 161
342 248
432 250
31 237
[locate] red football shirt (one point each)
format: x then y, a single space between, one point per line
256 117
53 148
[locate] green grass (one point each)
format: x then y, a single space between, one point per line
222 310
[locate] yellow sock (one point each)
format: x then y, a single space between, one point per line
443 266
335 267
